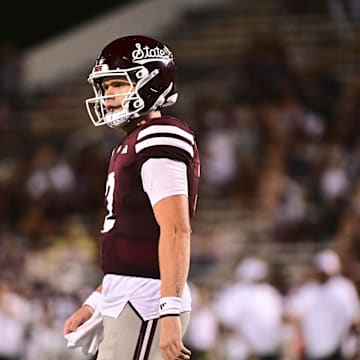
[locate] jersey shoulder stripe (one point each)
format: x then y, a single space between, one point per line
165 140
165 135
166 129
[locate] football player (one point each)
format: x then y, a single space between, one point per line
150 197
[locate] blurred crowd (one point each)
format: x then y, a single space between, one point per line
249 318
281 147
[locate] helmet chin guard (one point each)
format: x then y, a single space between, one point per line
147 65
116 119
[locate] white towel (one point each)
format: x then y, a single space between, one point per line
88 336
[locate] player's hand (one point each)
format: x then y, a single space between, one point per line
77 318
171 345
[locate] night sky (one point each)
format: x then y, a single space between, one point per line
25 24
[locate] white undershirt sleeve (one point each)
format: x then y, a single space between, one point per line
164 177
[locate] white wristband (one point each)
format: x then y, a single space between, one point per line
93 300
170 306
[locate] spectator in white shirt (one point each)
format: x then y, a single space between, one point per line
253 310
324 310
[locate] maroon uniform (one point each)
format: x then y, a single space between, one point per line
133 79
129 239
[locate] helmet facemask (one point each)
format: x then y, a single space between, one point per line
132 104
150 69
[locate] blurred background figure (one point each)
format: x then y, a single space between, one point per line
251 309
324 310
15 314
203 332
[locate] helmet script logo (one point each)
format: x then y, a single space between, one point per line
142 55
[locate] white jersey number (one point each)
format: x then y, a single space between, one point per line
109 194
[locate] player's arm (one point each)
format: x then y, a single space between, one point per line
165 182
172 215
84 312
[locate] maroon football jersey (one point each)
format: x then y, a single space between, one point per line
130 235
